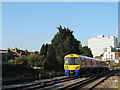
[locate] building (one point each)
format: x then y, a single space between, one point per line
11 53
111 54
119 35
3 53
19 52
33 52
99 44
117 54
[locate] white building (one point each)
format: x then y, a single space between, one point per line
99 44
110 55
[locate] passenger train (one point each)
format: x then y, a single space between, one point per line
75 64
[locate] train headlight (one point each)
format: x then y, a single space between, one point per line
77 67
66 67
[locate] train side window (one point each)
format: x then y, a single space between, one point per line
86 62
82 62
97 63
90 62
93 63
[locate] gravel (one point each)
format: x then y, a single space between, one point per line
112 82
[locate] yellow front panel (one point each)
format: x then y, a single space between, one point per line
71 67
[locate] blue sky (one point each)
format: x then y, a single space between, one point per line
31 24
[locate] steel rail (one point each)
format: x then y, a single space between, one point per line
50 83
17 86
107 76
81 83
37 85
55 82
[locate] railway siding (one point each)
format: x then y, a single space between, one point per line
22 85
64 84
61 83
95 83
111 82
79 84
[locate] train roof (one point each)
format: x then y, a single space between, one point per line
89 58
86 57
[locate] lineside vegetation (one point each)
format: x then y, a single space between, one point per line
51 55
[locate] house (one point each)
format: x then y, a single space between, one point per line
111 54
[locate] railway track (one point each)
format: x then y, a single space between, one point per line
30 79
82 83
57 83
38 84
100 80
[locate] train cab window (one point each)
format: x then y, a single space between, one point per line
76 61
71 61
66 61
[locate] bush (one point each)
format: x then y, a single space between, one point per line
16 70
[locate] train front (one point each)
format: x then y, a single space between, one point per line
72 64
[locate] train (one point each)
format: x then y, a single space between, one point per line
75 64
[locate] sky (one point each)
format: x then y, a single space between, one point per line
28 25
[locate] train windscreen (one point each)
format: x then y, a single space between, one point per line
71 61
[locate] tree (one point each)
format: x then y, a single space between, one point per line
8 50
86 51
43 50
64 43
51 62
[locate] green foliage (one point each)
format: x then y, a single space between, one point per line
30 60
9 56
19 60
16 70
64 43
86 51
10 69
51 62
8 49
43 50
52 55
